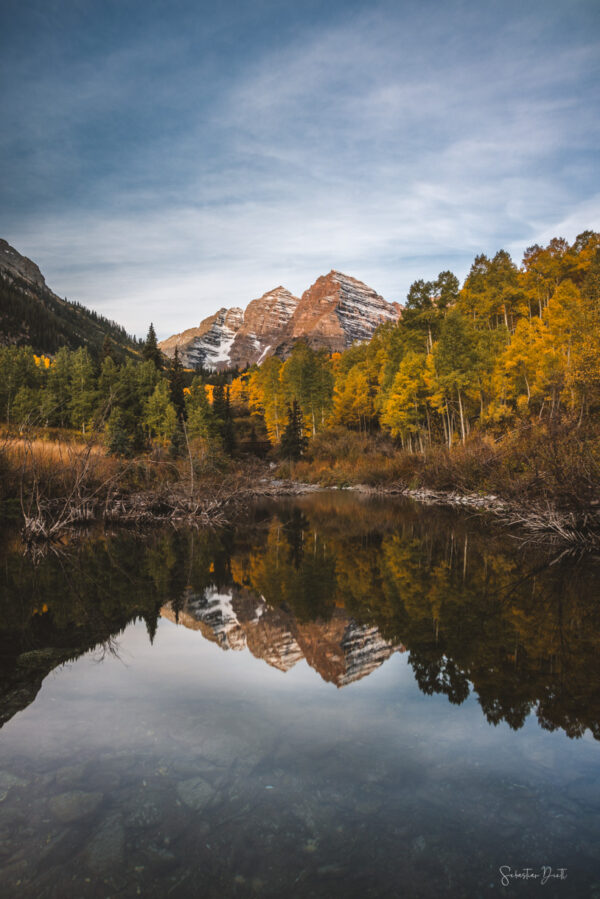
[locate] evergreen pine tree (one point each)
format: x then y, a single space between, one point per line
107 348
253 443
150 351
293 440
228 429
219 404
177 445
221 407
176 385
151 620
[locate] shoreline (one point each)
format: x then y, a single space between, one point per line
581 530
215 504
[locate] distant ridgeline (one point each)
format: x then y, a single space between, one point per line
32 315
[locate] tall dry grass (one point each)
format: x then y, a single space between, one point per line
60 483
554 462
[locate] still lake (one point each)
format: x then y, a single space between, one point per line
341 696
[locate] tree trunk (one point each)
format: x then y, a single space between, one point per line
462 417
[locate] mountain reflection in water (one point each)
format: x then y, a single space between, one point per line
338 581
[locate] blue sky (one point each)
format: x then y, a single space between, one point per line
162 159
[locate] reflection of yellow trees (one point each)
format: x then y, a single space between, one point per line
468 608
357 572
518 639
473 613
266 570
295 569
239 570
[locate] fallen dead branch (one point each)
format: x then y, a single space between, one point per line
539 522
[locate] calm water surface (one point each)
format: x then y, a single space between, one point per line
340 697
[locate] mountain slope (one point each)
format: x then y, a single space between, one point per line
31 314
265 322
332 314
208 345
232 338
335 312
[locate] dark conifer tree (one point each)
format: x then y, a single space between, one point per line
177 446
293 440
151 352
151 619
591 284
254 446
222 412
107 349
219 403
177 384
228 430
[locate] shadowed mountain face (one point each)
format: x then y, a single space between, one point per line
333 314
340 582
31 314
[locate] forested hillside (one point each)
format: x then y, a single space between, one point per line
511 344
32 315
514 350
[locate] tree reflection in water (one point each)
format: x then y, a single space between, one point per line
336 579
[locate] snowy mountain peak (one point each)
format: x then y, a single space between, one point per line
332 314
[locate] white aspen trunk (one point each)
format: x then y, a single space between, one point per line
462 418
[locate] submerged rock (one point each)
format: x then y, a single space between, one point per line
7 782
69 774
105 850
145 812
72 806
195 792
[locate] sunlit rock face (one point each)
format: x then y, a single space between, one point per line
336 312
233 338
265 321
340 650
333 314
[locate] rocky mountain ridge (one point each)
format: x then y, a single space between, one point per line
335 312
14 265
31 314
